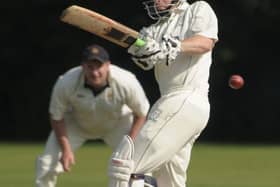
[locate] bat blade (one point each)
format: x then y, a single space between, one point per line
99 25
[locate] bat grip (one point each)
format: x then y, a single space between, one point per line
139 42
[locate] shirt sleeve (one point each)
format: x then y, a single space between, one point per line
58 101
204 21
136 98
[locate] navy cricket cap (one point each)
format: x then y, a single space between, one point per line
95 52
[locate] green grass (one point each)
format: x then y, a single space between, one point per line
211 165
235 166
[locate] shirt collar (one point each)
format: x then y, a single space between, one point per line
93 90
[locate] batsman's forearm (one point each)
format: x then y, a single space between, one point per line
61 134
197 45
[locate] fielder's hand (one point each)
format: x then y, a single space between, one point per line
153 52
67 160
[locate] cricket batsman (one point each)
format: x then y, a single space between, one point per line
178 46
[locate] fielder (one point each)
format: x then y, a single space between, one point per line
96 100
179 48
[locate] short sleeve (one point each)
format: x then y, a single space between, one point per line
136 98
204 21
58 101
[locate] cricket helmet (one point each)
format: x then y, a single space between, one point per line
155 14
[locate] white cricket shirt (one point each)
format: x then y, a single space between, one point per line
187 72
101 113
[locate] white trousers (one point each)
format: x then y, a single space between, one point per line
48 166
164 145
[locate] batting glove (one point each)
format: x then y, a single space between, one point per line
172 48
145 56
153 52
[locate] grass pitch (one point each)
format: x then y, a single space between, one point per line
212 165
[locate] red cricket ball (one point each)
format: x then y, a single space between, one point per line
236 82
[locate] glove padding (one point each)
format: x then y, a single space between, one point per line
153 52
173 47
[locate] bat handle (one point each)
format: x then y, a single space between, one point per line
139 42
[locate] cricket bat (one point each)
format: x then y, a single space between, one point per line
101 26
